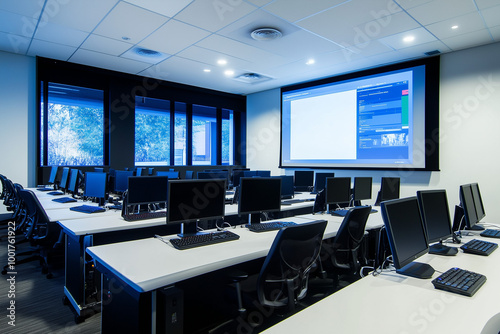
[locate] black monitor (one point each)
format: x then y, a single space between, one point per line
237 174
320 181
215 174
172 175
362 188
469 207
75 179
407 236
53 175
249 173
190 201
287 189
264 173
121 180
389 189
147 190
437 222
478 201
95 186
338 190
257 195
303 179
64 179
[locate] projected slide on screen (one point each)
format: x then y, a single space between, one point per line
369 122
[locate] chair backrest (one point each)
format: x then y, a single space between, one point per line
283 279
346 243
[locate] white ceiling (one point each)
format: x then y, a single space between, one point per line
341 36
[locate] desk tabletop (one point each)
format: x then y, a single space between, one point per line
404 304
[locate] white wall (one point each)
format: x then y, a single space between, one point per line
17 118
469 129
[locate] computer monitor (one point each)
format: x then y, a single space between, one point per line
53 175
264 173
138 171
469 207
338 190
257 195
215 174
64 179
250 173
237 175
75 179
121 180
190 201
95 186
147 190
437 222
407 236
287 189
99 169
362 188
303 179
320 181
389 189
171 175
478 201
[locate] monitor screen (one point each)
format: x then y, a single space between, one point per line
171 174
220 174
389 188
303 178
259 194
95 184
362 188
384 118
147 189
237 175
468 205
121 180
53 174
320 181
338 190
264 173
436 217
249 173
407 236
75 177
138 171
64 178
478 201
287 189
194 200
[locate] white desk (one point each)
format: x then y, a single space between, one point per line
398 304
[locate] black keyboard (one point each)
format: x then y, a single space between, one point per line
87 209
292 201
144 215
203 239
271 226
490 233
479 247
64 200
459 281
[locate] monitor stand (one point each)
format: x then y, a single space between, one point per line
189 229
475 228
254 218
417 270
440 249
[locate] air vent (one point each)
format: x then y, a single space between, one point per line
147 52
252 78
432 53
265 34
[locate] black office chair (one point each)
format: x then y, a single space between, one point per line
283 278
342 253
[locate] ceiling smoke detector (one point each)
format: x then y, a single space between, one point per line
265 34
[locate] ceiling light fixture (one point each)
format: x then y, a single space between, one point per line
310 61
265 34
229 72
454 27
222 62
408 39
207 70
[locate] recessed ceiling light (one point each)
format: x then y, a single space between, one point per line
207 70
409 39
229 72
125 38
454 27
222 62
310 61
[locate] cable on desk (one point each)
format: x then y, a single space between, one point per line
161 238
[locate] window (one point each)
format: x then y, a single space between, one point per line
227 137
180 136
74 132
204 135
152 131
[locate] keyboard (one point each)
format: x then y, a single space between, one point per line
64 200
490 233
479 247
132 217
44 189
292 201
271 226
55 193
459 281
343 212
87 209
203 239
